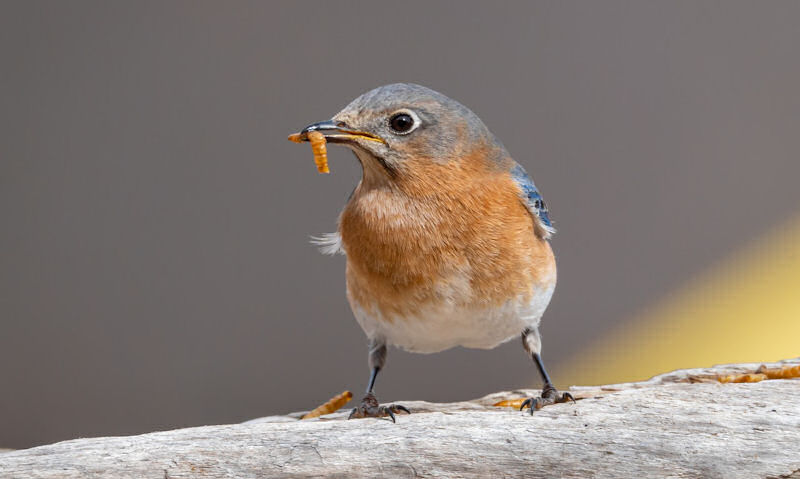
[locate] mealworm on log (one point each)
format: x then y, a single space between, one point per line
762 373
786 372
742 378
515 403
332 405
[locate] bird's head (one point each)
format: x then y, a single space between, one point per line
396 130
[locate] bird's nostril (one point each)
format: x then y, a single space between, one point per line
342 124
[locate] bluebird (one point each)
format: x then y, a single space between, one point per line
446 236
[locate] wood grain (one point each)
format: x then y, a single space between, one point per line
681 424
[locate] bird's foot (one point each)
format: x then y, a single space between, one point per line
549 396
370 408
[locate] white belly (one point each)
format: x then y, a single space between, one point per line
442 326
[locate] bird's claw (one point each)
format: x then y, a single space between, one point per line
549 396
398 407
370 408
566 397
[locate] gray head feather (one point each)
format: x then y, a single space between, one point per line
447 128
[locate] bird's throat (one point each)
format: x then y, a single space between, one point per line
376 171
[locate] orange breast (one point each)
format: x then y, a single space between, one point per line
455 233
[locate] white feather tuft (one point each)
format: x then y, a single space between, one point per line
549 231
542 230
328 243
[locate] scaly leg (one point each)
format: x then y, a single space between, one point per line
532 343
369 405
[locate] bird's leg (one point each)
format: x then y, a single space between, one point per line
533 345
369 405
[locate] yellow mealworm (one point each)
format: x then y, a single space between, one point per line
334 404
786 372
762 373
515 403
742 378
317 141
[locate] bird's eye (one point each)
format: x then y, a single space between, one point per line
403 122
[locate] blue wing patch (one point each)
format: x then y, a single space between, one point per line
532 198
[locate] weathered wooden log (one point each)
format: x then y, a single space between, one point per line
680 424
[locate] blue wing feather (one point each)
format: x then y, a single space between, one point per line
531 197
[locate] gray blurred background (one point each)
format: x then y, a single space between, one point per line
155 270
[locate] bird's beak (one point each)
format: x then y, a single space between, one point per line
335 132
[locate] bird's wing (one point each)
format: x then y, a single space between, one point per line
533 201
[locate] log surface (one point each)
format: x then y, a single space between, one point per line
681 424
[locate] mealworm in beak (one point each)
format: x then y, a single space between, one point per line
318 147
318 142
